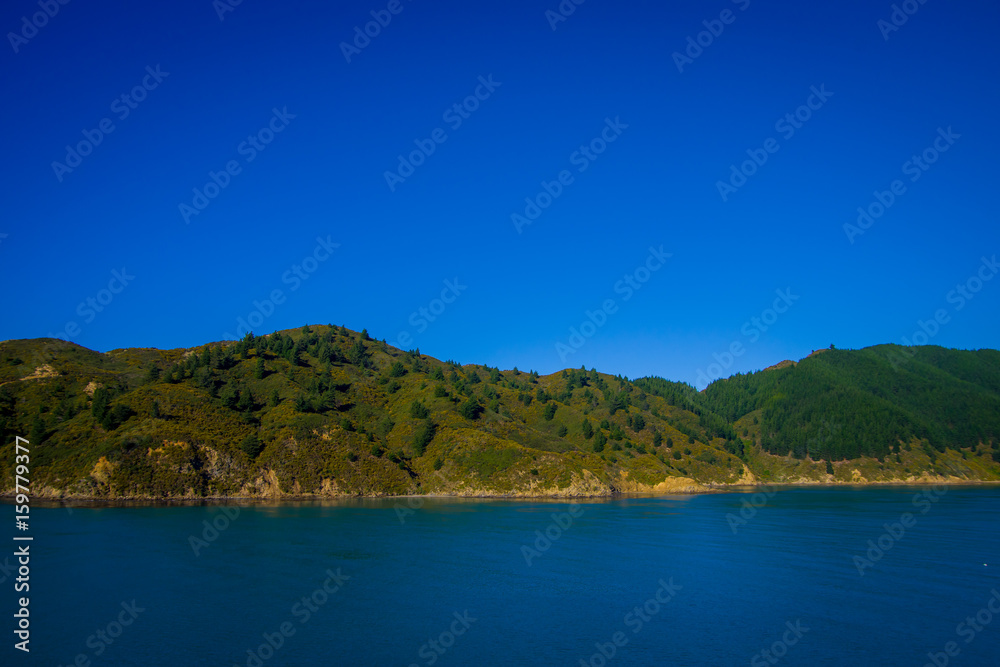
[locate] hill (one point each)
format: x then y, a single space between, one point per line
327 411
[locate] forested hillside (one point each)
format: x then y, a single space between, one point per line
847 404
327 411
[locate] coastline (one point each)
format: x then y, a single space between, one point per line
50 498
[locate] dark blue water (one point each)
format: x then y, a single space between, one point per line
450 583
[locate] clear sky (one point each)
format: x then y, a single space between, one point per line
290 125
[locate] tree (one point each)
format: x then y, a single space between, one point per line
245 402
471 409
588 430
423 436
37 433
397 370
419 410
252 446
638 423
600 441
358 354
657 438
230 396
155 411
275 398
562 431
259 370
101 403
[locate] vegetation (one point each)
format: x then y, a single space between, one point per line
322 409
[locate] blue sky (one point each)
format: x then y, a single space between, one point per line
641 146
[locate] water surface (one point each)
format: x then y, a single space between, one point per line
475 577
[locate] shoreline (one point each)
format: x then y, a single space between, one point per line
245 500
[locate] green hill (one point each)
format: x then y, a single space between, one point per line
327 411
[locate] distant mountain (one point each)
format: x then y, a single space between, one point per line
326 411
